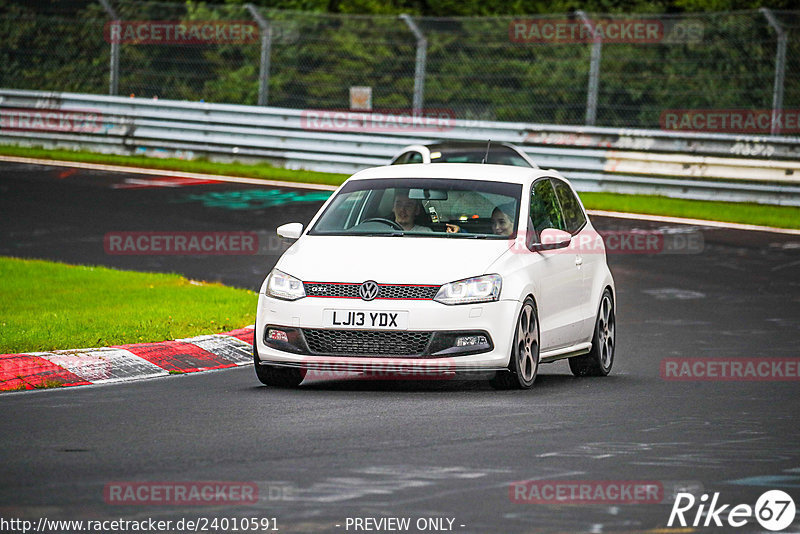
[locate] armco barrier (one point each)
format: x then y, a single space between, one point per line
763 169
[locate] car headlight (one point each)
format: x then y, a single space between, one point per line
284 286
472 290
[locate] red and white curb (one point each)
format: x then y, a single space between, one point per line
123 363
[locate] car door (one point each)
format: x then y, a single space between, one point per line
558 272
588 255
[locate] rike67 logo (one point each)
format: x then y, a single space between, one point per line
774 510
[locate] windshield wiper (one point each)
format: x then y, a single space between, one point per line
376 234
467 236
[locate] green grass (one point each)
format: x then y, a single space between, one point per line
748 213
48 306
740 212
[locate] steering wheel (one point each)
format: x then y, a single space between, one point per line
385 221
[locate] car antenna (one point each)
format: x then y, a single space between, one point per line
486 157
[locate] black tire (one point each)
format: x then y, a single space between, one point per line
270 375
600 359
523 366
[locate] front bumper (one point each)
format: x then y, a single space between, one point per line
495 320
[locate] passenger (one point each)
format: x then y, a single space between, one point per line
502 222
406 211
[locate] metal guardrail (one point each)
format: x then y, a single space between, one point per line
764 169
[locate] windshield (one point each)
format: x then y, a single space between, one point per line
497 156
423 208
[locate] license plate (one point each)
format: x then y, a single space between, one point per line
380 320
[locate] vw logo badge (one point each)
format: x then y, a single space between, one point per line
368 290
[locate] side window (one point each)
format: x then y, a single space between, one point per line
545 211
402 159
408 157
574 217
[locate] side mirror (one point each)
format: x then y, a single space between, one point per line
291 230
552 239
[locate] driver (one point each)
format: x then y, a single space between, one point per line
406 211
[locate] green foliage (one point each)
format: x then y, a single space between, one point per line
453 8
475 68
64 52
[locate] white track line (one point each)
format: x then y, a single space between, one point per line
697 222
162 172
323 187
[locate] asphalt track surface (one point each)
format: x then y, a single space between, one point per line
340 449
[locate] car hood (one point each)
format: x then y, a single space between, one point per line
397 260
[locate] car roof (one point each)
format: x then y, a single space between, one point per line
456 171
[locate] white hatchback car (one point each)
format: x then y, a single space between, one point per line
440 269
464 152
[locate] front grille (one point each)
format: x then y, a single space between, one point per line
367 343
385 291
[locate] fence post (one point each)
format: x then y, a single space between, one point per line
113 73
266 51
422 58
594 69
780 71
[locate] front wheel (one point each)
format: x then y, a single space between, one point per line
524 364
599 360
270 375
